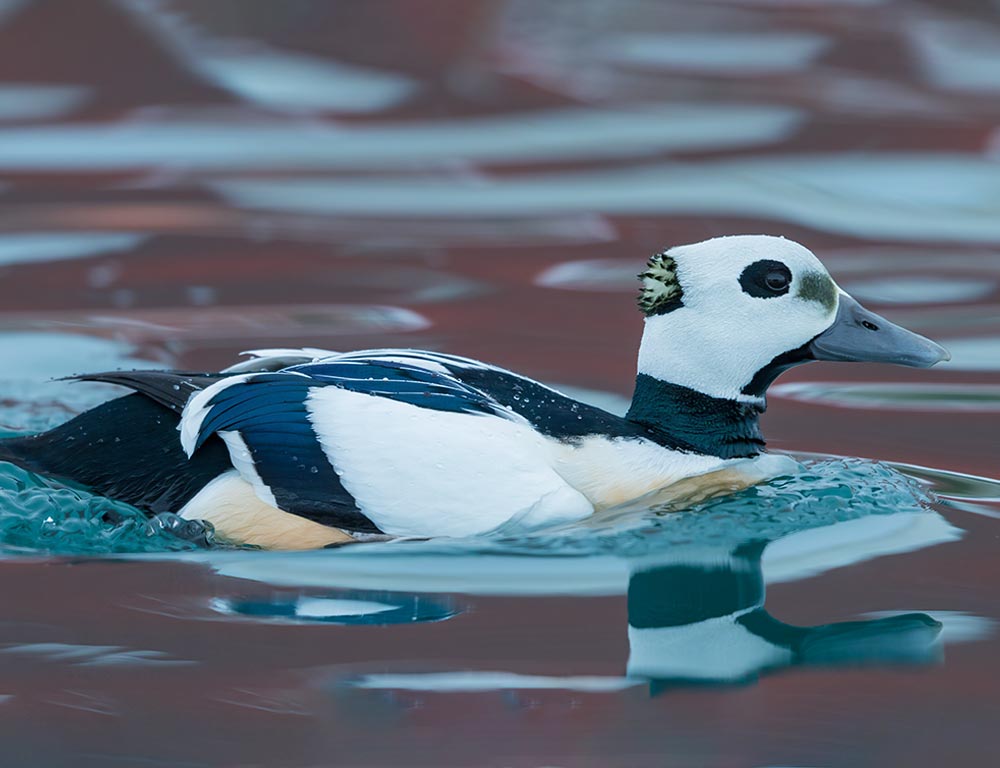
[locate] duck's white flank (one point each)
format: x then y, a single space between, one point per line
419 472
233 508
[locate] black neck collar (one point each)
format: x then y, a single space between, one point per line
683 419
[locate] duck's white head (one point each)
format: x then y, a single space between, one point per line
724 317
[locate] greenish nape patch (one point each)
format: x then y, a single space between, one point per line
819 288
661 291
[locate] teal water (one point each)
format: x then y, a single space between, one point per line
822 492
41 516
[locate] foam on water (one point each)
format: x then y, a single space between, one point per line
823 493
39 516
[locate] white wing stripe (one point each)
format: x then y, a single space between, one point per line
197 408
239 454
273 359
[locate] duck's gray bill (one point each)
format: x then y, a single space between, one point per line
858 335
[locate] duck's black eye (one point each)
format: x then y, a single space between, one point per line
766 279
776 281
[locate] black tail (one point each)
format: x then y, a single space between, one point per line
127 449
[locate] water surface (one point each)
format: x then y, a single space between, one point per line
184 180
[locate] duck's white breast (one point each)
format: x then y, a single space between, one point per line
613 471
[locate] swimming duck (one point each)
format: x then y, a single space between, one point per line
309 448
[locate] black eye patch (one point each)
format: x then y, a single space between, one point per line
766 279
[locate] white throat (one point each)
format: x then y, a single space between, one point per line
678 349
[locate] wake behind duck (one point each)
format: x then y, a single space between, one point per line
307 448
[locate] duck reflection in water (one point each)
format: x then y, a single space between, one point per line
693 580
700 619
696 611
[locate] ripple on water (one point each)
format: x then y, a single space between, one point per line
32 247
38 516
41 517
957 54
892 195
974 354
822 493
36 356
296 83
353 607
32 101
30 400
558 134
743 54
954 485
895 395
590 275
902 289
203 323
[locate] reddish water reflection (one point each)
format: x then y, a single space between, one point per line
190 179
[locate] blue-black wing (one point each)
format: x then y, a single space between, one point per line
403 382
269 402
269 412
549 411
546 409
